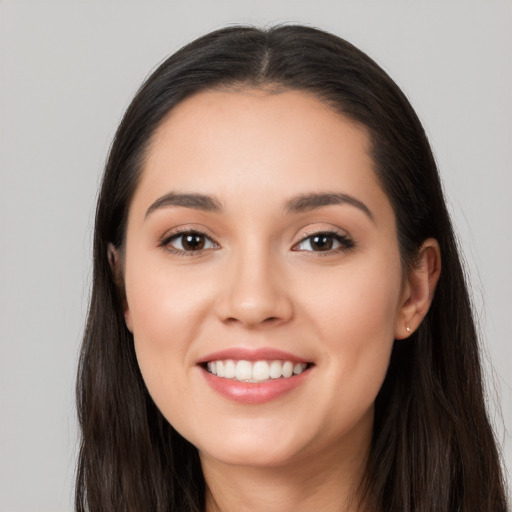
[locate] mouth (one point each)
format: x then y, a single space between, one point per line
257 371
254 376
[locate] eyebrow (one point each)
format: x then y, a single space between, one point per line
308 202
298 204
194 201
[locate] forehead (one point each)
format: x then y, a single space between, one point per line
254 116
257 142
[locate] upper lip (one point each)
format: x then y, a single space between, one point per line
252 354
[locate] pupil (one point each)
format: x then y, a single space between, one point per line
322 242
193 242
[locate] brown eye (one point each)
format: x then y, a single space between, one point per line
321 242
325 242
193 242
189 241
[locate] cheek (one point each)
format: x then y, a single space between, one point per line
163 301
361 302
355 317
166 312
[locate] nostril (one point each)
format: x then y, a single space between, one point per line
269 320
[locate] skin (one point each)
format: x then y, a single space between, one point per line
259 283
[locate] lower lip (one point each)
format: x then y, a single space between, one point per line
254 392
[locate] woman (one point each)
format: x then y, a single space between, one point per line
269 324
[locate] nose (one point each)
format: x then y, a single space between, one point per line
255 292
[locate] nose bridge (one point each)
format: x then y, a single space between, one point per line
255 292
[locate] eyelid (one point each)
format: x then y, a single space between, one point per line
169 236
341 236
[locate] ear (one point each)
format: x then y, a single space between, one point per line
117 273
419 289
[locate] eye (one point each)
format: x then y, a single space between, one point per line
188 242
325 242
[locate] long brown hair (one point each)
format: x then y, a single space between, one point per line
432 448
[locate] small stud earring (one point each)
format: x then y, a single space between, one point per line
407 328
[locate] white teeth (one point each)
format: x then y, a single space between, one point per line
298 368
243 370
255 371
276 369
287 369
260 370
229 369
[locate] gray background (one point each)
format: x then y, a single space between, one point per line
68 70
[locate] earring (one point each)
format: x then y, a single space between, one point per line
408 329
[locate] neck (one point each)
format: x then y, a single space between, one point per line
328 482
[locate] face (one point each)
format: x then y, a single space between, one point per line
263 277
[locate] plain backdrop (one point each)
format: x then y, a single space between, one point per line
68 69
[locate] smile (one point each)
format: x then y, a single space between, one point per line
254 375
254 371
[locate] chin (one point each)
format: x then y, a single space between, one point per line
263 445
250 456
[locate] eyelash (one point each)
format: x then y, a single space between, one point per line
345 242
165 243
